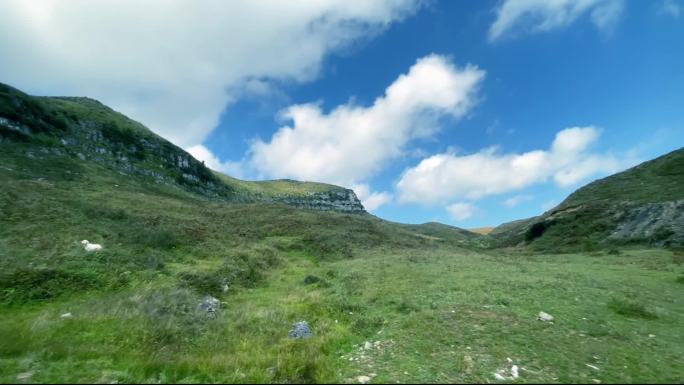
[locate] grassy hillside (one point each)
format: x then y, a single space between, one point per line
394 302
658 180
86 128
642 205
431 309
272 188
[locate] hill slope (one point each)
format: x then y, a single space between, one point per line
644 204
89 130
396 303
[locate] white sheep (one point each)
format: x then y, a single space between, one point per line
91 246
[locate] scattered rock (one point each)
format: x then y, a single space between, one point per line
595 381
592 367
66 315
210 305
508 374
545 317
368 346
651 336
300 330
468 364
363 379
24 376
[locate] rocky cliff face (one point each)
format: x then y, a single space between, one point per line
644 204
658 222
343 200
90 131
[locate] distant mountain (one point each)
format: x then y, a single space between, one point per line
644 204
87 129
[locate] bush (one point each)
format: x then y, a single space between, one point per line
172 317
315 280
119 134
537 230
159 238
28 284
244 267
630 309
311 279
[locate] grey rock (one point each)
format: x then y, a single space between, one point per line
210 305
300 330
659 222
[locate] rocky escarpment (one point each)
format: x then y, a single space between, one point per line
655 224
644 205
661 222
84 128
342 200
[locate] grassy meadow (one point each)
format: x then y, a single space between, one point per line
395 303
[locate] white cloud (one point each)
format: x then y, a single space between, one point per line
671 7
460 211
351 143
516 200
203 154
532 16
175 64
448 176
371 200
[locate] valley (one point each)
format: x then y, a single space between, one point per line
385 302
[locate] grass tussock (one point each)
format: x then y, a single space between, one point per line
630 308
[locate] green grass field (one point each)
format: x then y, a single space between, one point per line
391 302
434 303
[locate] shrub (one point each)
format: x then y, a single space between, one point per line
29 284
630 309
159 237
119 134
315 280
537 230
244 267
172 317
311 279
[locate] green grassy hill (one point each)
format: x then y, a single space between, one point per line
85 128
658 180
394 302
642 205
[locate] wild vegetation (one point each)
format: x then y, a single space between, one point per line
391 302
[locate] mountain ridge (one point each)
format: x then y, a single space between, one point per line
643 204
88 129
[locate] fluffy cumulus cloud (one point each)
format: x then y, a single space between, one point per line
448 176
203 154
531 16
371 200
175 64
351 142
461 211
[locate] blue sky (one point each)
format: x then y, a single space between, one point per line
628 82
495 111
